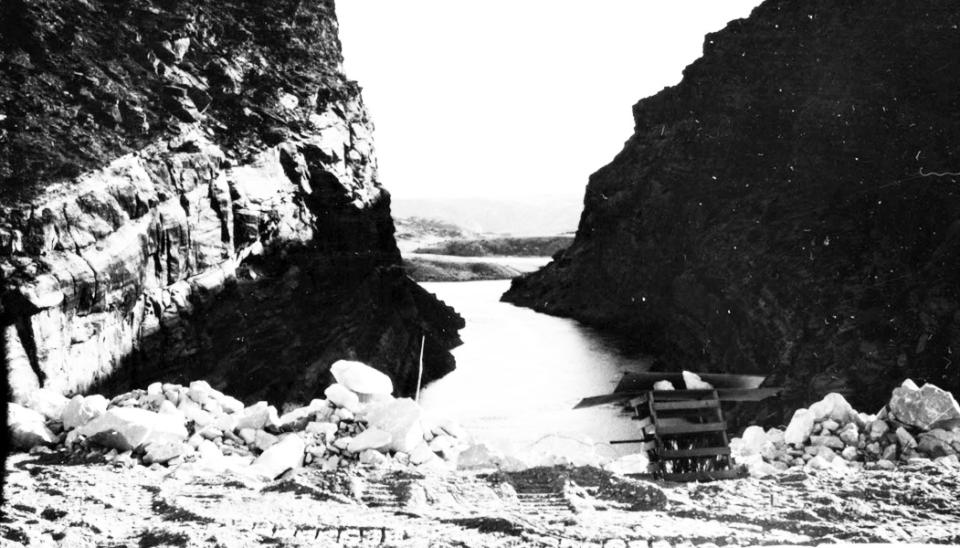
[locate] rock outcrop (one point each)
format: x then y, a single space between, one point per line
190 189
789 208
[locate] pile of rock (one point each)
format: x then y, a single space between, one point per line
168 424
917 423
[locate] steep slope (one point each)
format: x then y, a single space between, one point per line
190 190
791 207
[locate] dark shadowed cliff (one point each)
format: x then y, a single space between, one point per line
190 191
791 207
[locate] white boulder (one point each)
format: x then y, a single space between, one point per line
399 418
258 416
27 428
341 396
47 402
834 407
371 438
693 381
800 427
282 456
126 428
83 409
361 378
663 385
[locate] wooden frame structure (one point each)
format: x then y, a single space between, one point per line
684 431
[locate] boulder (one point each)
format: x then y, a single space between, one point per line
200 391
663 385
849 434
371 438
341 396
830 425
939 443
834 407
258 416
904 438
850 453
326 429
162 452
27 428
833 442
637 463
693 381
194 412
47 402
399 418
877 429
83 409
361 378
126 428
923 408
264 440
372 457
282 456
800 427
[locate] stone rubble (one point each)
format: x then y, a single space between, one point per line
831 435
197 425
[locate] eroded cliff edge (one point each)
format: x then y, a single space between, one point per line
190 191
791 207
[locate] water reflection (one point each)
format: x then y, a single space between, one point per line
520 373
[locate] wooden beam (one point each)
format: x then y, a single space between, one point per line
684 404
695 452
705 476
691 428
645 380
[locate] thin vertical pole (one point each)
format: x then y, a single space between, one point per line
423 343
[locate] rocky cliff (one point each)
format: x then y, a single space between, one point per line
791 207
190 191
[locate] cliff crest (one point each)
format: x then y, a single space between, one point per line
190 190
789 208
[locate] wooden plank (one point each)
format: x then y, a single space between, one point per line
695 452
645 380
644 422
645 444
685 404
691 428
594 401
705 476
753 394
725 394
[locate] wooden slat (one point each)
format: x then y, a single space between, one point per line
696 452
725 394
691 428
705 476
645 444
685 404
645 380
644 422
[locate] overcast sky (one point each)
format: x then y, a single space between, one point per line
506 98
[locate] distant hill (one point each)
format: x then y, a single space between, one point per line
541 216
534 246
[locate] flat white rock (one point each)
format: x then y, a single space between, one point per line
361 378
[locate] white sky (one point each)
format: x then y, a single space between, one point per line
507 98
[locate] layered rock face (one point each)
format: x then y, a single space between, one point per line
190 191
791 207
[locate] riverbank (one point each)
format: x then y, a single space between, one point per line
426 267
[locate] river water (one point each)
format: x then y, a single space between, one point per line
519 373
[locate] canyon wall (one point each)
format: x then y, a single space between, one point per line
189 190
791 208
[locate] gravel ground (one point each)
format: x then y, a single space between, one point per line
50 503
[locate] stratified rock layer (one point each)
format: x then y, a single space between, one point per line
190 190
791 207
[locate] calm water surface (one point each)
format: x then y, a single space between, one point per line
519 373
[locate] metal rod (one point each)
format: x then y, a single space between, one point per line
423 342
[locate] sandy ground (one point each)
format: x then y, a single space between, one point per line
106 504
